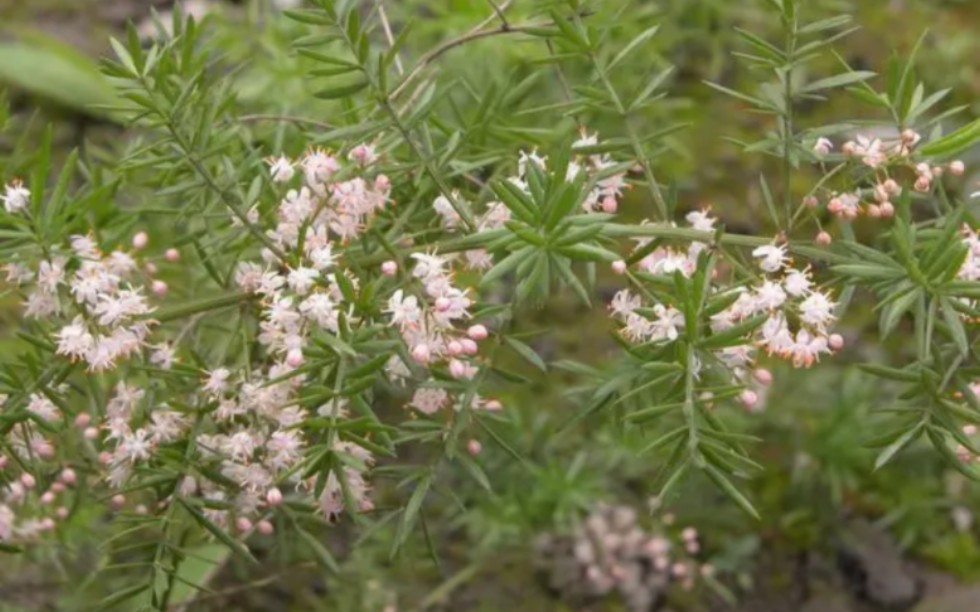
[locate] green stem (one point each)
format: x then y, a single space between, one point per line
193 308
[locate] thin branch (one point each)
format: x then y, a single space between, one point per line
449 45
391 39
499 11
285 119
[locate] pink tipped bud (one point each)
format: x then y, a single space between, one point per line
48 497
389 268
469 346
118 501
151 268
91 433
477 332
3 461
823 238
836 341
887 209
243 524
970 429
848 148
294 358
749 398
835 205
140 240
443 304
619 266
421 353
265 527
457 369
47 523
609 204
810 201
44 449
874 211
493 405
892 187
105 457
159 288
957 168
762 376
82 419
937 171
68 476
910 136
707 570
881 194
382 183
57 487
62 512
454 348
172 255
274 496
689 534
473 447
141 509
27 480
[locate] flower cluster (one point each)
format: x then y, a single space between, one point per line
885 159
612 553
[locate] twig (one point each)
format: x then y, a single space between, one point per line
285 118
449 45
499 12
391 39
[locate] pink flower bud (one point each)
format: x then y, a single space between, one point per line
421 353
609 204
27 480
910 136
810 201
969 429
762 376
678 569
707 570
469 346
493 405
172 255
454 348
48 497
443 304
848 148
151 268
887 209
749 398
823 238
473 447
477 332
82 419
118 501
243 524
57 487
105 457
47 523
274 496
62 512
689 533
141 509
835 205
389 268
265 527
836 341
140 240
892 187
874 211
619 266
957 168
937 171
382 183
68 476
881 194
91 433
44 449
3 461
159 288
457 369
294 357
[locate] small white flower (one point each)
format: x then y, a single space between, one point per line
16 197
428 400
281 169
817 310
217 381
301 280
771 257
823 146
797 282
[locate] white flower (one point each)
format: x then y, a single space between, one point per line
665 325
817 310
322 257
771 257
823 146
429 400
43 407
16 197
797 282
806 348
444 207
281 169
217 381
769 296
134 447
163 356
405 311
301 280
74 340
701 220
